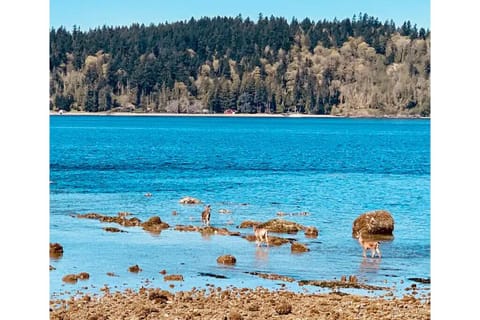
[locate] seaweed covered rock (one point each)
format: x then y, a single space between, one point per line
227 259
120 218
113 229
181 227
378 222
281 226
155 225
173 277
217 231
272 240
248 224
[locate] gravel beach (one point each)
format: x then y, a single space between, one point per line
237 303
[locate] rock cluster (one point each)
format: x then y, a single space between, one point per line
120 219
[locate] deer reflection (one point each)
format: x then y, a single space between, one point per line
261 254
370 265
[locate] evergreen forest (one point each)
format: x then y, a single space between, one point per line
351 67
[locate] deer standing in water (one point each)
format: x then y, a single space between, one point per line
261 235
373 246
206 215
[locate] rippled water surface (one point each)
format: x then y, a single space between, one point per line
334 169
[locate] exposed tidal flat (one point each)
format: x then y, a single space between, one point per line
315 172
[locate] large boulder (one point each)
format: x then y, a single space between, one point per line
378 222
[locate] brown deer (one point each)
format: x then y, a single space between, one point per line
206 215
373 246
261 235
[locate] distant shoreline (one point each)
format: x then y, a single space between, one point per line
221 115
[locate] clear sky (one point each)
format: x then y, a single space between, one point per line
88 14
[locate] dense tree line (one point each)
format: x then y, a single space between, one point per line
357 66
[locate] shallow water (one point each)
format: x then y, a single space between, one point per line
334 169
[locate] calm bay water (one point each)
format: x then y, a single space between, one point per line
334 169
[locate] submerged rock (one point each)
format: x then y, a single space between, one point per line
299 247
189 200
311 232
190 228
227 259
379 222
336 284
173 277
113 229
218 231
248 224
272 276
90 215
272 240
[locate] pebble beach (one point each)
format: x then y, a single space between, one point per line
236 303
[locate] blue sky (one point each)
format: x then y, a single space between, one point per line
89 14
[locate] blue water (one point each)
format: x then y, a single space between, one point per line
334 169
